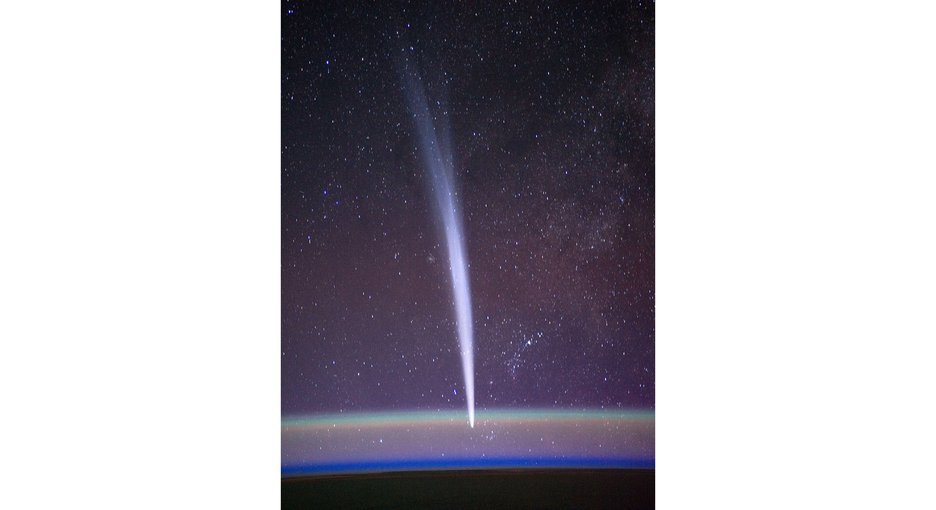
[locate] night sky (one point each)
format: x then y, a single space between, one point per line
550 115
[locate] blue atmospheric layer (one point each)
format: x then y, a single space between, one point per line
469 463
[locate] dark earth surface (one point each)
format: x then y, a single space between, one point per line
487 489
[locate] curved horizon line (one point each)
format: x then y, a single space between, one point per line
472 463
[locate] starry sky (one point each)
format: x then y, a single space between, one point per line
550 115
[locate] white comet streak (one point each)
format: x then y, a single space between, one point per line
438 160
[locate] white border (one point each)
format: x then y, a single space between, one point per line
795 252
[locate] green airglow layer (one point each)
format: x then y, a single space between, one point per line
455 416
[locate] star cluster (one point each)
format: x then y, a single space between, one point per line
550 108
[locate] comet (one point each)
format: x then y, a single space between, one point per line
437 158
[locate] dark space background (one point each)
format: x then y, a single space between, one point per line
551 114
